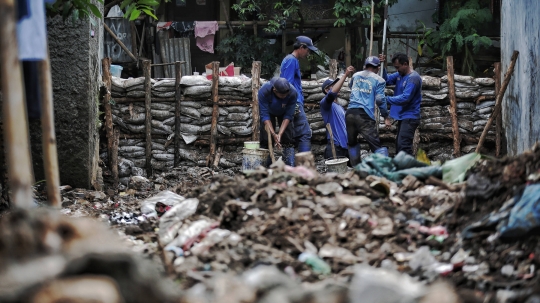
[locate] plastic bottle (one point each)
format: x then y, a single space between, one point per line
317 264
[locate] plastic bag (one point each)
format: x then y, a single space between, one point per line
167 197
454 170
525 215
173 219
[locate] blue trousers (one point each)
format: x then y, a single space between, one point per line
405 135
302 131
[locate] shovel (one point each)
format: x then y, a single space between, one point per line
329 128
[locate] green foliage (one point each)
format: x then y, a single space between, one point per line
82 9
457 35
279 11
242 49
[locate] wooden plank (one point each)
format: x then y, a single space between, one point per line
453 105
333 68
148 118
178 96
106 66
215 112
163 53
347 46
14 111
255 85
50 153
498 101
498 133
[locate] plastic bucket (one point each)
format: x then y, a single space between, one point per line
338 165
116 70
253 158
252 144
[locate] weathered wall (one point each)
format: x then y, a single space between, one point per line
521 108
75 67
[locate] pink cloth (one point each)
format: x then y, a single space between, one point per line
204 35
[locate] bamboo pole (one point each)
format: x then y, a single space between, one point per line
347 47
215 112
148 118
106 65
14 111
498 101
113 35
333 68
453 105
177 122
163 54
50 154
255 85
498 133
371 31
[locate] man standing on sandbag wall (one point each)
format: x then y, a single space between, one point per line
334 114
290 70
405 104
367 90
277 100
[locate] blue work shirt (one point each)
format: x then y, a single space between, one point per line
334 114
367 88
270 104
290 70
405 104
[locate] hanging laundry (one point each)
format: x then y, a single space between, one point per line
185 28
163 25
32 32
204 34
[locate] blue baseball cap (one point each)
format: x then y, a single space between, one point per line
327 83
282 86
374 61
307 42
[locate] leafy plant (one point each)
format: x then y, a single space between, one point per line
82 9
279 11
349 11
458 33
242 49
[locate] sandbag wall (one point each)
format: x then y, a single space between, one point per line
235 118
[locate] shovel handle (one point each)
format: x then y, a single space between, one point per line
270 147
329 128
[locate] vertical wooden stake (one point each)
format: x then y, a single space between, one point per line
498 100
114 156
453 105
347 46
215 112
178 106
284 41
333 68
50 154
14 110
498 134
148 121
106 66
255 85
371 31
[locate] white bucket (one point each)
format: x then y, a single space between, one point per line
338 165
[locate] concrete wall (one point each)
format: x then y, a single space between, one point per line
521 108
76 74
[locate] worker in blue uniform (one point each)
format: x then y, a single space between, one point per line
277 101
405 104
334 114
367 91
290 70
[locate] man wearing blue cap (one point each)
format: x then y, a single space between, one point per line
277 100
290 70
367 90
334 114
405 104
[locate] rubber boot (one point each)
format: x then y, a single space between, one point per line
354 155
304 147
383 151
288 156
